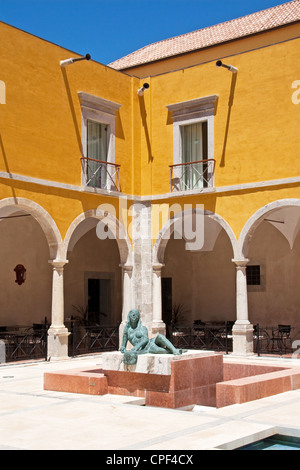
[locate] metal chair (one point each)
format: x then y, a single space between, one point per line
282 338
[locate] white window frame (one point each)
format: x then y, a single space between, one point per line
191 112
94 108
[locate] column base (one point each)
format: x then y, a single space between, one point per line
242 338
57 343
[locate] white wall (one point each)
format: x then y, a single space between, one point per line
22 241
204 281
277 301
92 255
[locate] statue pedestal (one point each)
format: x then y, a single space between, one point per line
160 364
165 380
162 380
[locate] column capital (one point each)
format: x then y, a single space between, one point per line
58 263
126 267
240 263
157 266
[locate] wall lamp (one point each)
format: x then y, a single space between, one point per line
20 274
142 89
231 68
65 62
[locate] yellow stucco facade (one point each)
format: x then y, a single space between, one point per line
256 126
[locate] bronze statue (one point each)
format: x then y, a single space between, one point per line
137 335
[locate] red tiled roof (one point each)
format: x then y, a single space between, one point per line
255 23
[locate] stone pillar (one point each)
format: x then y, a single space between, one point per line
142 258
127 290
57 333
146 278
128 296
158 325
242 331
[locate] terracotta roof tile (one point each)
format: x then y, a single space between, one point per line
254 23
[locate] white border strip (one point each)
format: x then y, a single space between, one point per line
85 189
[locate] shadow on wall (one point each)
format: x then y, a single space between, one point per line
145 125
230 104
5 159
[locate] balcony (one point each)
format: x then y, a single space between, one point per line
100 174
192 175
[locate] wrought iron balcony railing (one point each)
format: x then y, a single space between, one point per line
192 175
100 174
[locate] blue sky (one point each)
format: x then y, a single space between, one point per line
110 29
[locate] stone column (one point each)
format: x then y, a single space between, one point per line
158 325
57 333
142 259
128 296
242 331
127 290
146 278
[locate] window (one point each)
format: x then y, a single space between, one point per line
194 155
193 135
253 275
96 140
194 141
99 169
97 146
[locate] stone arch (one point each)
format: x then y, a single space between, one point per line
9 206
269 241
183 272
255 220
91 273
169 227
116 228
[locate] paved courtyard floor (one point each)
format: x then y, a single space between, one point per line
35 419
